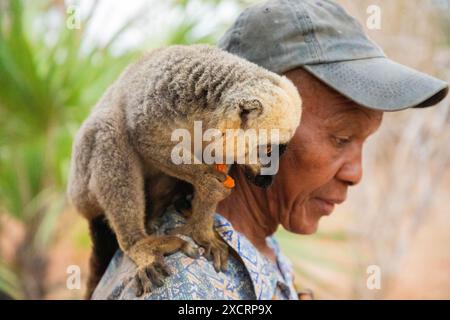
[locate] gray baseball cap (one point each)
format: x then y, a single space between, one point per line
318 35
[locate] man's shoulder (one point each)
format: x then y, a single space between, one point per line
190 279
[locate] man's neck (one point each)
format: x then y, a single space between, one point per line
247 209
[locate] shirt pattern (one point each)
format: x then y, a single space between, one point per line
250 275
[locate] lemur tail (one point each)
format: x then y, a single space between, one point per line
104 246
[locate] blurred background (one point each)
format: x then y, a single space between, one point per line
56 59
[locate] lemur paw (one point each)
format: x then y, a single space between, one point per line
148 254
150 276
215 249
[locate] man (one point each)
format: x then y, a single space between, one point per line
346 84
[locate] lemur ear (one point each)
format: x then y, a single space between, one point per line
250 109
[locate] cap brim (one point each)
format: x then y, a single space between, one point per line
380 83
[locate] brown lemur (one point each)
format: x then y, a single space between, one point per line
122 152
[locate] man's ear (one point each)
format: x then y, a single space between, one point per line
250 109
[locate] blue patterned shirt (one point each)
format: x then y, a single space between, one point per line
251 275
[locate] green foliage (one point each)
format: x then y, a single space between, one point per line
49 81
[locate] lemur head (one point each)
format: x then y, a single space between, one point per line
271 108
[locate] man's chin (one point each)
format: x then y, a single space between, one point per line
306 229
303 226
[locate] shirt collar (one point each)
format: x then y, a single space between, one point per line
266 275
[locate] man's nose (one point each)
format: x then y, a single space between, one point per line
351 171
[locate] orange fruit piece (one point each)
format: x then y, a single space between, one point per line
229 181
221 167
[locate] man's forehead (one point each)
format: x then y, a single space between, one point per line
352 116
351 109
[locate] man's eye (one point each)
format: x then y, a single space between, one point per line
341 141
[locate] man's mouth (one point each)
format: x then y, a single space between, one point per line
327 205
